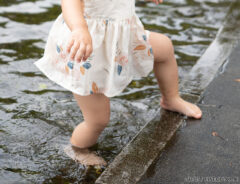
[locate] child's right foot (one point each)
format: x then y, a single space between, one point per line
181 106
84 156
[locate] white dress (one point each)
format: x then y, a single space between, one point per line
121 50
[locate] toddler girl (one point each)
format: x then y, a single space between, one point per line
95 48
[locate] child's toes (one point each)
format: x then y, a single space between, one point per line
197 112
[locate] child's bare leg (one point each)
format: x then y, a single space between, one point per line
166 72
96 112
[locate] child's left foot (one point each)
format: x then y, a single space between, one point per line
84 156
181 106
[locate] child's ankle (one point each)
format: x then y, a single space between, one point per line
78 147
168 100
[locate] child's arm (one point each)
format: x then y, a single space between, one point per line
80 43
73 13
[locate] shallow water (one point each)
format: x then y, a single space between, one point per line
37 116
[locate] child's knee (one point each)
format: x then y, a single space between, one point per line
168 45
162 47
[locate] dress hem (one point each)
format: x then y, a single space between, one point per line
68 87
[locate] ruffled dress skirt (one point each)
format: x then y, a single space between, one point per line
121 50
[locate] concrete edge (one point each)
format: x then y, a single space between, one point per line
135 158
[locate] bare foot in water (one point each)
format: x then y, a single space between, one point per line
84 156
181 106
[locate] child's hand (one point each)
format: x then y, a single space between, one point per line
156 1
80 44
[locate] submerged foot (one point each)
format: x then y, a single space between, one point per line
181 106
84 156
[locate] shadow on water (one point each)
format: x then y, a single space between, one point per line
37 116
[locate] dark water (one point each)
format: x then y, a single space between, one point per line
37 116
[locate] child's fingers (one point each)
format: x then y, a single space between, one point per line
80 52
74 50
88 52
69 46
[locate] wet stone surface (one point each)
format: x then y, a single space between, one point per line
207 150
37 116
128 164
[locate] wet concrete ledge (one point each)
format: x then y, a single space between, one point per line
136 157
206 150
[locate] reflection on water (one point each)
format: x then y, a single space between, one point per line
37 116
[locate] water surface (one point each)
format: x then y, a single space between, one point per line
37 116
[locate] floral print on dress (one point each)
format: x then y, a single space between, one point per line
86 65
105 22
121 58
108 70
144 37
58 48
66 69
61 61
61 52
69 65
144 46
94 88
140 47
150 49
